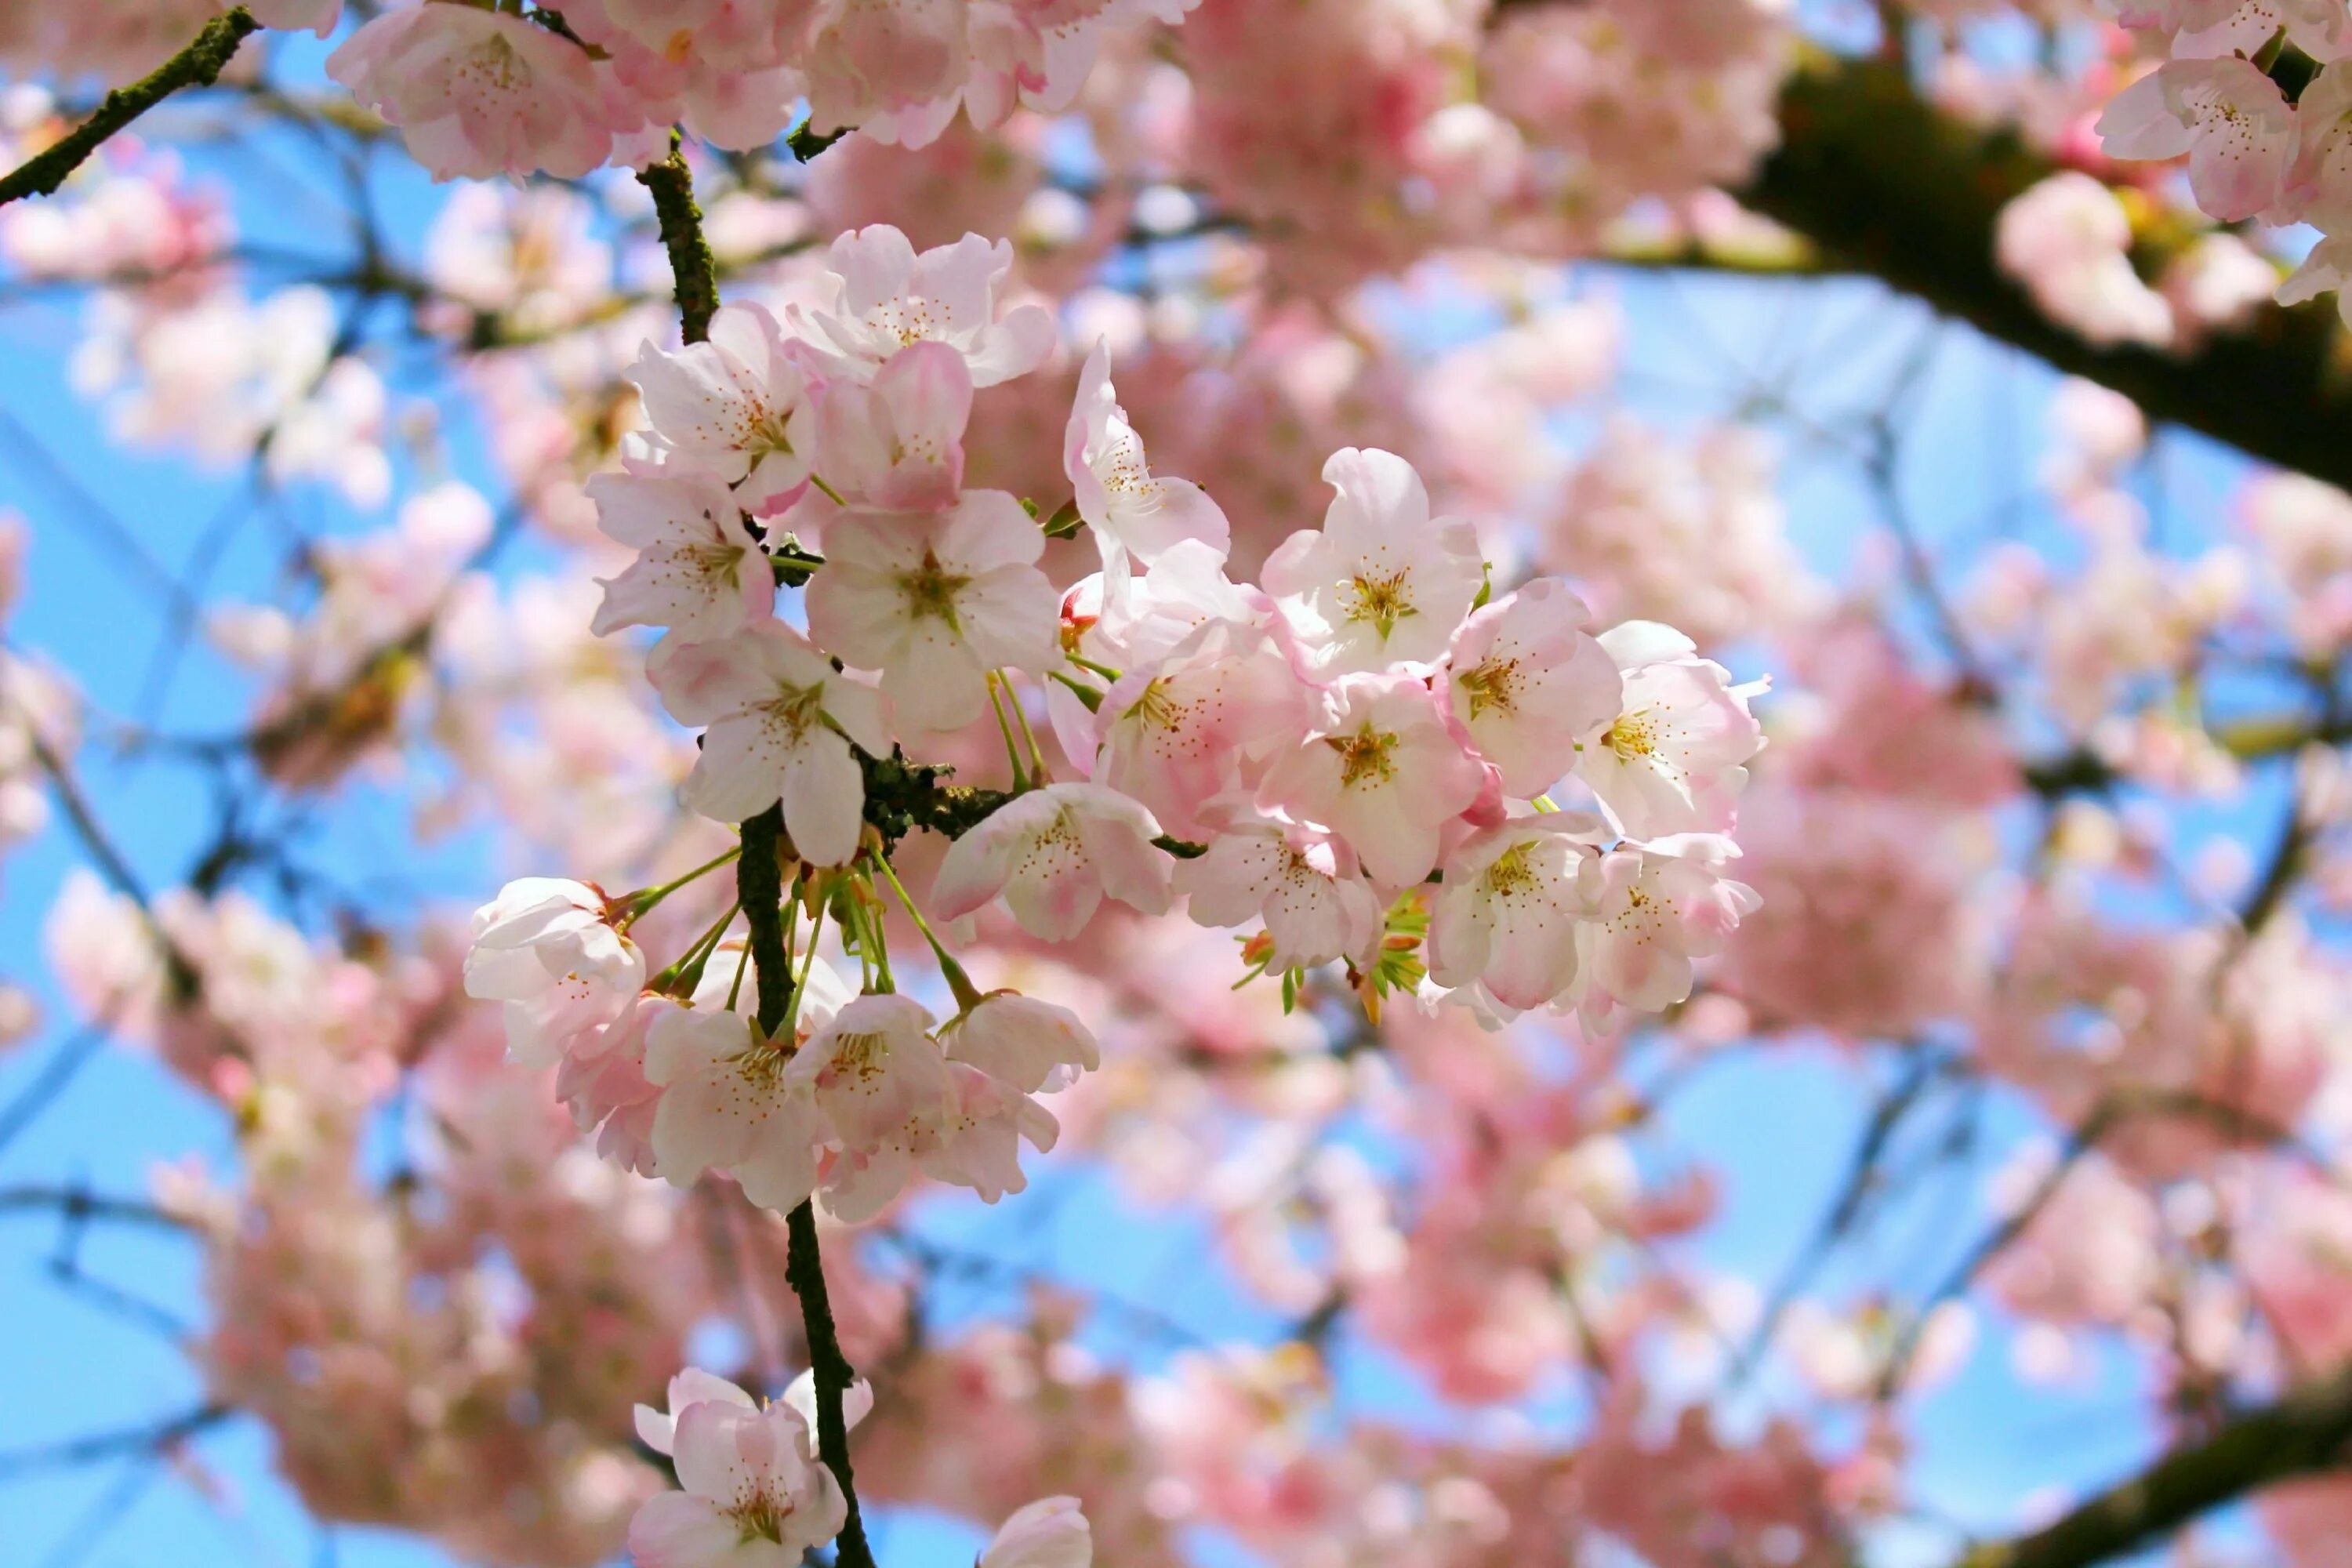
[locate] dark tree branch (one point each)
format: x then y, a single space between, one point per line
1883 183
2304 1432
198 64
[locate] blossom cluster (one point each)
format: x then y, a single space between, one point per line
480 91
2256 149
1323 746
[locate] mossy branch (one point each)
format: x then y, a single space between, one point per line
198 64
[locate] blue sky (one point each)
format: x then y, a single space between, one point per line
1778 1124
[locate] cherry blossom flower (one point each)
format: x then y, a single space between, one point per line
546 948
894 68
1657 907
1514 899
1382 583
2230 120
1299 879
752 1495
697 572
781 720
1384 772
1671 760
934 601
734 1100
1054 855
1181 731
477 92
736 406
1131 512
2325 270
1528 683
898 444
1048 1533
887 298
2319 183
1031 1045
898 1106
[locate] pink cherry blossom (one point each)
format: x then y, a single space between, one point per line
736 407
1513 902
751 1493
1658 907
1381 583
546 948
886 297
1049 1534
1177 733
733 1100
2230 120
1131 512
1382 771
934 601
477 92
1054 855
697 572
1528 683
1671 761
1030 1045
1299 879
782 720
898 444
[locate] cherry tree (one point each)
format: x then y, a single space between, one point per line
963 609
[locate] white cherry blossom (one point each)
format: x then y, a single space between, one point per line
1030 1045
699 571
733 1100
2230 120
934 601
1381 583
1132 513
546 948
781 723
736 406
897 443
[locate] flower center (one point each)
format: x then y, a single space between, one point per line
717 562
795 710
1510 875
1493 684
860 1057
761 1517
1364 756
1381 600
1634 735
930 590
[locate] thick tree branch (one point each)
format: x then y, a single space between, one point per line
198 64
1883 183
2304 1432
